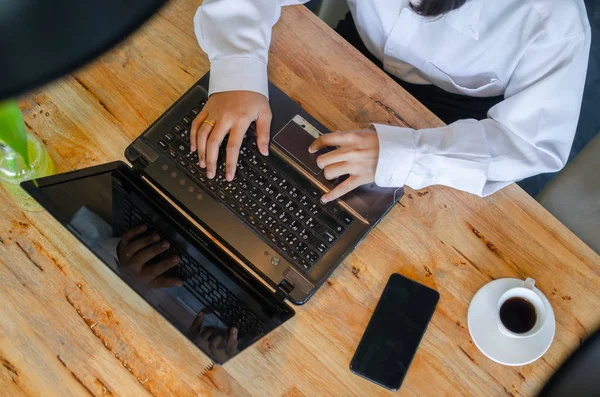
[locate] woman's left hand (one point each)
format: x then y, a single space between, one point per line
356 155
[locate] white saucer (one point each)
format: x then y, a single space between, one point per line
494 344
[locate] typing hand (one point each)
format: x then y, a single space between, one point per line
229 113
356 155
136 252
221 344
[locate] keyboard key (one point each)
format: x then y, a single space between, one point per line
300 214
295 226
310 256
182 162
334 210
274 208
332 223
260 181
192 157
262 228
280 230
274 176
242 211
270 222
285 217
212 186
291 239
222 195
301 247
310 223
264 200
293 192
295 257
305 234
169 137
172 153
318 245
178 128
182 147
163 145
254 192
271 190
291 207
185 135
232 204
281 198
251 205
272 237
261 214
305 265
283 247
195 111
243 184
231 189
326 234
304 201
346 218
314 209
187 119
252 219
191 169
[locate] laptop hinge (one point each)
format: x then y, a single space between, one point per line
283 290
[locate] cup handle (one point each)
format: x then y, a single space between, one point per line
529 283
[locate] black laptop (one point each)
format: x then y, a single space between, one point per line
245 246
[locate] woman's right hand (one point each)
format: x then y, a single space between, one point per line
231 113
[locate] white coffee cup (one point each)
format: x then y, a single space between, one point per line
526 292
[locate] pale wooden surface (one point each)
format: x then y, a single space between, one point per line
69 327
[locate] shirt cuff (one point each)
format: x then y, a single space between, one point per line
238 74
397 152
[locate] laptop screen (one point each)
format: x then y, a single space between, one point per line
127 227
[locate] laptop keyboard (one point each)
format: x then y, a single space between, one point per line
203 285
287 214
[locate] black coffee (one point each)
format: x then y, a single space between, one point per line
518 315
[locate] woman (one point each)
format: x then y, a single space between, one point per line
509 75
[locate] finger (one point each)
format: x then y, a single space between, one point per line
335 156
141 243
196 326
165 282
236 136
203 134
153 271
263 128
336 170
232 341
198 121
131 233
212 146
337 138
341 189
215 341
147 254
207 333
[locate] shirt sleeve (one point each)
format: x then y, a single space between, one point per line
530 132
236 34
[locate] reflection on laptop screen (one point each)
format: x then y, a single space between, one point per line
212 305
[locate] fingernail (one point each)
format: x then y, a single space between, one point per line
202 164
175 260
229 176
323 200
143 228
156 237
264 149
210 174
234 331
164 244
179 283
310 149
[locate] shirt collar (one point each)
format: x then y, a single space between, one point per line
465 19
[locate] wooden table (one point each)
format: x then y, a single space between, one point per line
68 326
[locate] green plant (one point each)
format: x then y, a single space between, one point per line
12 128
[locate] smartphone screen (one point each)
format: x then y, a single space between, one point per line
394 332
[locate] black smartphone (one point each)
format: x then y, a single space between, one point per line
394 332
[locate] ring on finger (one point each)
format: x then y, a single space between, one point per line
211 123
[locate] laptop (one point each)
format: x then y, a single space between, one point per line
245 247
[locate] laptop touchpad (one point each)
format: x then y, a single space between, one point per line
295 138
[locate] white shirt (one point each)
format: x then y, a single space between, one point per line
533 52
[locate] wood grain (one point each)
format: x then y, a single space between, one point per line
68 326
